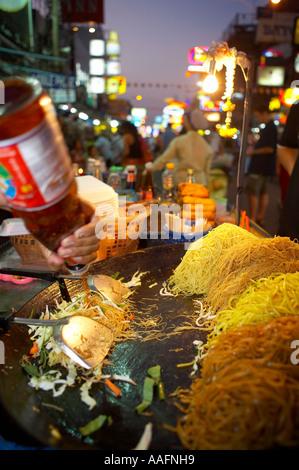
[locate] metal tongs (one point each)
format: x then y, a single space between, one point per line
111 289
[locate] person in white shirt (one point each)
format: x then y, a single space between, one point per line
189 150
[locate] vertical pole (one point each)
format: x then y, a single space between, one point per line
30 26
55 21
244 139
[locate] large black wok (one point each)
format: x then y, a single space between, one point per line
30 409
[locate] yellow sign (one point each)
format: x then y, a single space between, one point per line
122 85
116 84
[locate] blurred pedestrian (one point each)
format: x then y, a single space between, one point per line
189 150
288 158
93 151
262 166
167 137
77 153
117 149
103 144
136 149
131 145
158 149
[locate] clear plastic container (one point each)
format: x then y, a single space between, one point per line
114 179
169 181
90 166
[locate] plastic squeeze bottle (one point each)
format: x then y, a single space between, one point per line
36 174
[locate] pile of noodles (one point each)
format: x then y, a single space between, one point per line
248 396
263 300
200 263
250 260
267 343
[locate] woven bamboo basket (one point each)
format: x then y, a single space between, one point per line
29 249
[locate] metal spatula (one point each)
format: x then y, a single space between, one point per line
110 288
84 340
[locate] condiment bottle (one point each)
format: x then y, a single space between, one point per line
131 179
148 185
190 176
36 174
97 170
169 181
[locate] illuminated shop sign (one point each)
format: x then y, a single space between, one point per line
96 85
116 85
270 76
272 53
113 45
113 67
278 29
139 113
289 96
206 104
97 47
195 56
196 68
97 67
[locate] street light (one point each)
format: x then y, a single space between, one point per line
210 83
219 55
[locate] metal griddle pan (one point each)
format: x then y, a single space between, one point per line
26 406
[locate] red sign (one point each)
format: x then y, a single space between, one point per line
82 11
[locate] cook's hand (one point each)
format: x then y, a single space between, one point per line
81 246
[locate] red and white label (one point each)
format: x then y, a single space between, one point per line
35 168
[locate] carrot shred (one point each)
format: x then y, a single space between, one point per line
131 317
243 217
34 348
113 387
247 223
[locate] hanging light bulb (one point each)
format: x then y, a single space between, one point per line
210 83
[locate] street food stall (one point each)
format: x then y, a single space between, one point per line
198 338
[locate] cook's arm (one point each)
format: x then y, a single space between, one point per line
168 156
287 157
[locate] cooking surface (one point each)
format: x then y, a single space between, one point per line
31 408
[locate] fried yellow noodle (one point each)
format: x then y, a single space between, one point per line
263 300
248 396
250 260
200 263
